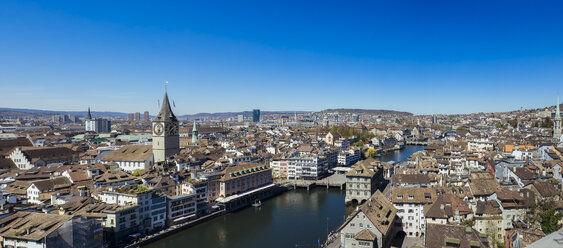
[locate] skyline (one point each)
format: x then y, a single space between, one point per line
453 57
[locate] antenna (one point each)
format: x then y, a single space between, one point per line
158 102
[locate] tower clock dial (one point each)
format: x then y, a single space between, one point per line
158 128
172 128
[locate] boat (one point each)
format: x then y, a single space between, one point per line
257 203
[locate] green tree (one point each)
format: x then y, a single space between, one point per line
549 220
501 126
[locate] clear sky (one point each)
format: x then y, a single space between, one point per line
419 56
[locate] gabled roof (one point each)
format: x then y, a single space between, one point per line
138 153
6 163
31 226
113 176
6 145
452 235
484 187
545 189
378 210
363 169
365 235
52 184
447 205
48 153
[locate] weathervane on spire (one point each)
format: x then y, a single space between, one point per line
166 86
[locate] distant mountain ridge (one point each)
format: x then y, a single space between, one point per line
13 112
367 111
235 114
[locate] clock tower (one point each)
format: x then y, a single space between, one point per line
165 133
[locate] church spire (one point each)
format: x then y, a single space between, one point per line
557 113
89 114
194 133
166 113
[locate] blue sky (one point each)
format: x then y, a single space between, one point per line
419 56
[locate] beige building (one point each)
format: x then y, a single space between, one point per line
244 177
363 180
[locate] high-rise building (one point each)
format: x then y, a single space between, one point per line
557 123
240 118
137 116
165 132
130 117
146 116
98 125
256 115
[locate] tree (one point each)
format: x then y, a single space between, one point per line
501 126
371 152
549 220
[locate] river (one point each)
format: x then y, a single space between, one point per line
297 218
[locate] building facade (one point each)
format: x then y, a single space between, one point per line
256 115
98 125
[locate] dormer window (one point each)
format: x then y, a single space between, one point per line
411 197
399 196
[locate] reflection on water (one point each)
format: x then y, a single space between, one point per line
298 218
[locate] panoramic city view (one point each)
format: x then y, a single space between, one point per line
281 124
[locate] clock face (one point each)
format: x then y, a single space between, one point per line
158 128
172 129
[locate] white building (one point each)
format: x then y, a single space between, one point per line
410 204
480 145
349 157
98 125
152 206
131 157
26 158
307 167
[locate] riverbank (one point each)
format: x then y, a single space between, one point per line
295 218
224 209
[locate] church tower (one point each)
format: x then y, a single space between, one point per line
194 134
165 135
557 123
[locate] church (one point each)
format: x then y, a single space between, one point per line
165 133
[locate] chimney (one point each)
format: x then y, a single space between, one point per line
441 206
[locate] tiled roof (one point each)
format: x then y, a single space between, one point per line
138 153
31 226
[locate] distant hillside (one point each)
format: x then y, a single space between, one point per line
13 112
367 111
235 114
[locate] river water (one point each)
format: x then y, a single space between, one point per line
297 218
